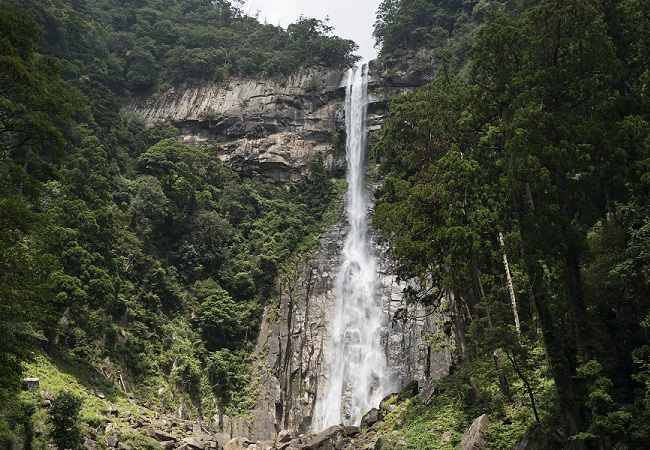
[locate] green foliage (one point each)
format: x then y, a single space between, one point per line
449 28
64 420
36 106
116 239
140 46
513 176
230 376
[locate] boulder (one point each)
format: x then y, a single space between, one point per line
265 445
283 436
47 399
428 390
327 439
161 435
194 442
123 446
31 384
538 438
222 438
370 418
111 441
237 443
473 437
89 444
168 444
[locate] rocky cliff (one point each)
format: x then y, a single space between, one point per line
292 338
272 125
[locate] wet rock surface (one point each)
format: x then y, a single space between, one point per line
294 331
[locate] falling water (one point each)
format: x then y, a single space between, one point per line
355 364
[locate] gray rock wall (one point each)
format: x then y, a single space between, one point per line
269 125
290 344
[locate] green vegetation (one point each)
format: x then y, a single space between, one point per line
123 252
139 46
64 419
520 199
448 27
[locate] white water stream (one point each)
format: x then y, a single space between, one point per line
355 363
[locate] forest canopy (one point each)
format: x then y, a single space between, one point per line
140 46
517 193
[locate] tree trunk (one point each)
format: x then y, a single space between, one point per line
511 289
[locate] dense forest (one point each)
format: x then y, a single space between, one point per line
515 194
122 249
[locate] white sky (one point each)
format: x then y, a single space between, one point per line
351 19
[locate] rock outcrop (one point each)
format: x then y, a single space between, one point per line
273 126
473 438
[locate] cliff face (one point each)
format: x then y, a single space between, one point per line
293 336
272 126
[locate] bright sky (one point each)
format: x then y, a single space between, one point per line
351 19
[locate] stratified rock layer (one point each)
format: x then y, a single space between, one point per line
271 125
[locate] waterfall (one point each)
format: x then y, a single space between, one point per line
354 360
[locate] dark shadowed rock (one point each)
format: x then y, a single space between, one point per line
538 438
283 436
410 390
370 418
326 440
429 388
473 437
161 435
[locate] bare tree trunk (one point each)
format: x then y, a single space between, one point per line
511 289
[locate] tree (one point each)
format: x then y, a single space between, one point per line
64 420
35 109
35 106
